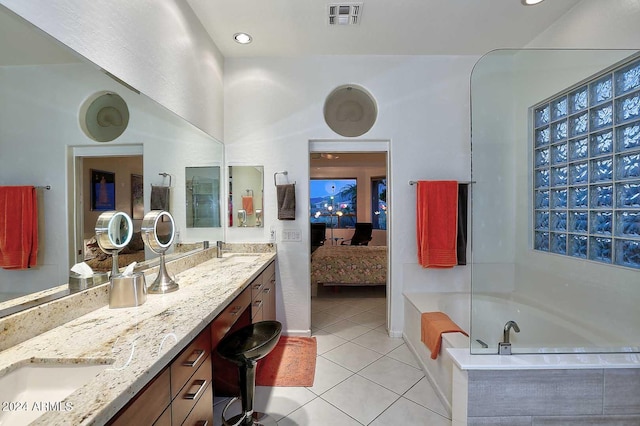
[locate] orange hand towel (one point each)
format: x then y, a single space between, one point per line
433 324
437 223
247 203
18 227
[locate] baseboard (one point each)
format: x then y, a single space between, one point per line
297 333
428 375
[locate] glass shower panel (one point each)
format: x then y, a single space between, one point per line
555 228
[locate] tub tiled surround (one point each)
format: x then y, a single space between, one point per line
136 342
554 397
548 396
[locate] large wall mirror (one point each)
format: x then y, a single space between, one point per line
43 86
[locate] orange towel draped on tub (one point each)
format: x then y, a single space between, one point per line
437 223
18 227
433 324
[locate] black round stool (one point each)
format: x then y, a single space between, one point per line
244 348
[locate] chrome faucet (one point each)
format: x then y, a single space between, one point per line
219 248
504 347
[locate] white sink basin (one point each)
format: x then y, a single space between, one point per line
31 390
240 257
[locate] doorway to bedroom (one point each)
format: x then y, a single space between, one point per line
348 206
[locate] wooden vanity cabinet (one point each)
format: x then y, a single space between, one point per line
255 303
269 292
263 296
183 390
190 378
182 394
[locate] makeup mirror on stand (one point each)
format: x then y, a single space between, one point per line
113 232
158 231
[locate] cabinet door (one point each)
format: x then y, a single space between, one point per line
149 404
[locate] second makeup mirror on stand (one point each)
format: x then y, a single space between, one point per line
158 232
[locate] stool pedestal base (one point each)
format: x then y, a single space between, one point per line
242 419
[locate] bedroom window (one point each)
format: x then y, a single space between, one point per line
586 170
333 201
379 203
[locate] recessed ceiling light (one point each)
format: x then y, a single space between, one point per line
242 38
530 2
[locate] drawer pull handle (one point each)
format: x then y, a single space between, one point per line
273 281
202 423
267 290
257 286
257 304
236 310
194 358
199 385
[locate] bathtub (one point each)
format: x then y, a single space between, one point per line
542 331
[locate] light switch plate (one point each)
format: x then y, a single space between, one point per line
291 235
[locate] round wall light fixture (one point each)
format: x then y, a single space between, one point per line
350 110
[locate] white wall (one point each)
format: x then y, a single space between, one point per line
273 108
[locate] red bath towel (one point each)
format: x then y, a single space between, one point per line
433 324
247 203
437 223
18 227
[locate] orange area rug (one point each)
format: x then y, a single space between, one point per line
291 363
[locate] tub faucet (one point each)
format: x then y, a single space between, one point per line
504 347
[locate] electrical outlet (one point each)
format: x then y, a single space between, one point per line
272 234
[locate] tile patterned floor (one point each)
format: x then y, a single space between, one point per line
363 377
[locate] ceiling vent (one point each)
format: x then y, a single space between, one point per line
345 13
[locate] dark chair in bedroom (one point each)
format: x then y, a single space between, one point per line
361 236
318 235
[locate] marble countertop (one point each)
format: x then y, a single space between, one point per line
136 343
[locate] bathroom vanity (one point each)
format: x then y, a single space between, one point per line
158 355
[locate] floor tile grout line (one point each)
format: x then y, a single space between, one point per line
424 377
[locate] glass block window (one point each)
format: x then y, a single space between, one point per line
586 170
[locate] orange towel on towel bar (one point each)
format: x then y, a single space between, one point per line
247 203
433 324
437 223
18 227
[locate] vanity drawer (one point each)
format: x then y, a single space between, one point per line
256 287
191 393
186 364
225 320
202 413
149 404
257 311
